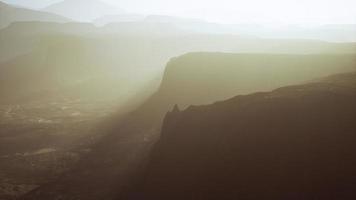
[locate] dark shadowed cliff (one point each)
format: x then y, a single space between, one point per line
295 142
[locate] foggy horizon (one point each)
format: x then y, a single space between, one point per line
275 12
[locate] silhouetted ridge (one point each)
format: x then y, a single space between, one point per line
295 142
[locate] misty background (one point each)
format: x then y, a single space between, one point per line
277 12
87 88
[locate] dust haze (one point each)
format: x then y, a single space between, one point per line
208 100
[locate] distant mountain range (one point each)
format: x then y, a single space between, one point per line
101 13
10 14
330 32
291 143
196 78
83 10
20 37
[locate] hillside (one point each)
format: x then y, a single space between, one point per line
295 142
10 14
116 161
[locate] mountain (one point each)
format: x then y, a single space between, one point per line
116 161
83 10
10 14
294 142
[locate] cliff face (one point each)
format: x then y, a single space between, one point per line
292 143
201 78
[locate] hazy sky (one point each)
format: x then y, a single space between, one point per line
238 11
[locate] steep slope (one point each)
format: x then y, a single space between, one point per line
83 10
10 14
115 162
295 142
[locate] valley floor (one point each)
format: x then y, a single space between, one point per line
41 140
